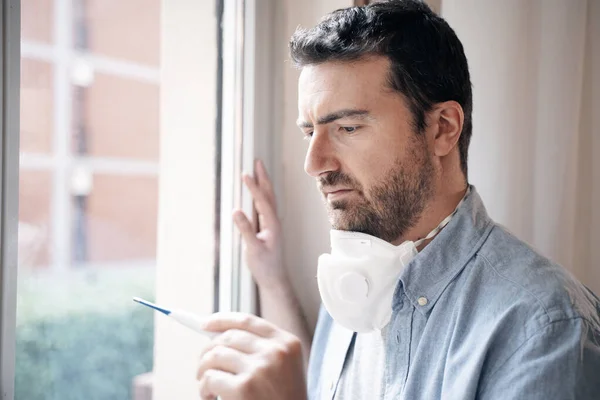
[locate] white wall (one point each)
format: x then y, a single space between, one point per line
535 73
186 195
589 167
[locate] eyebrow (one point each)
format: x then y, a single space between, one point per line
361 114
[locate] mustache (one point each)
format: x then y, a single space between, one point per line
336 178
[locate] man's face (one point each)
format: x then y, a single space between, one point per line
373 169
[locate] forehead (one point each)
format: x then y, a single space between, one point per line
340 84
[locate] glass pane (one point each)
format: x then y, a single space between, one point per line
36 20
120 115
122 227
36 106
88 197
34 220
112 34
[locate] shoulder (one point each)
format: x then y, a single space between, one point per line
521 277
534 321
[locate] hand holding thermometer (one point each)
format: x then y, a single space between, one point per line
192 321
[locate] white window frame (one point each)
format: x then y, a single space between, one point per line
245 29
248 37
10 21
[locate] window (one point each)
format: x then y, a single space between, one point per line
88 196
136 120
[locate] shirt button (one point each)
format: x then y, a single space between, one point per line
331 385
422 301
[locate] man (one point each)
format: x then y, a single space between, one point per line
425 297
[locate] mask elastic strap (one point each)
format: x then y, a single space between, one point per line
444 222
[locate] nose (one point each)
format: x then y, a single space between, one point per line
320 156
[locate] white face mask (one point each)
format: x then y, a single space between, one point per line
357 280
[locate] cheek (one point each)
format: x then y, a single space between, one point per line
369 170
370 156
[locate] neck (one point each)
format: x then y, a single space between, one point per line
439 207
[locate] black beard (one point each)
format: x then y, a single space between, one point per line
393 205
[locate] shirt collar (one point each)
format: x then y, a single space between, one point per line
427 275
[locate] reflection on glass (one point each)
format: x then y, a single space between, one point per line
88 197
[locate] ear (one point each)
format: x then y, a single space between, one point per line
449 118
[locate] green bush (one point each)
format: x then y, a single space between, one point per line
83 356
79 334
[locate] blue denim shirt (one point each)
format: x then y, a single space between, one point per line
500 322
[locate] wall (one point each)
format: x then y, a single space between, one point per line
535 73
186 207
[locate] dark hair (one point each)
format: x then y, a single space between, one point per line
428 63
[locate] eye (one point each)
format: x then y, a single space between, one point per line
349 129
307 136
